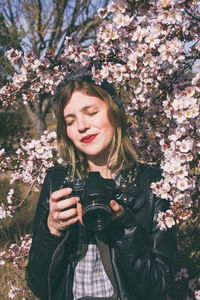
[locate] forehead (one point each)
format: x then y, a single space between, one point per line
80 100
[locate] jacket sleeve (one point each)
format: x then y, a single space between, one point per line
145 260
42 248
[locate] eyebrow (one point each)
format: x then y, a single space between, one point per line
83 109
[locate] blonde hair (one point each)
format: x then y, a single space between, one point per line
122 151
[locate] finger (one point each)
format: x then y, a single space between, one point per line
69 222
62 225
55 196
66 214
66 203
116 208
79 212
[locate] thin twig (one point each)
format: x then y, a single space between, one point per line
30 189
17 90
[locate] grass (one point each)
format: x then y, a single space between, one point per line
8 274
11 229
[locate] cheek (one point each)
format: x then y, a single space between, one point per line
70 133
111 130
102 121
105 123
108 124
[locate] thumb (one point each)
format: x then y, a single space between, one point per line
117 209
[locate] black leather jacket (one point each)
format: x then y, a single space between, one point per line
141 254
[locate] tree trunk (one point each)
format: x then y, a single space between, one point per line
37 112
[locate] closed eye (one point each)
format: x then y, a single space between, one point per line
68 123
92 113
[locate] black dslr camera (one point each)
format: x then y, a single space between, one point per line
95 193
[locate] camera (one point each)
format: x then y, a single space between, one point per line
95 193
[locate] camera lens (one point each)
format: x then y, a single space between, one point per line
97 217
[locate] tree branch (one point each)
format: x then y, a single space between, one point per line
30 188
39 26
58 22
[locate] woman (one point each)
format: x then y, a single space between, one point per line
127 258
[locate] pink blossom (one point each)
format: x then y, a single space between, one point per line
139 34
186 145
197 295
169 222
120 20
152 37
132 61
102 13
182 184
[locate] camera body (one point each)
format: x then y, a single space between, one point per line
95 193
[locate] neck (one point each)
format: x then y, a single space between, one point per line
100 167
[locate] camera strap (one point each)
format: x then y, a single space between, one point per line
106 261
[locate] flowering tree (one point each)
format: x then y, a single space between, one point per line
39 25
150 50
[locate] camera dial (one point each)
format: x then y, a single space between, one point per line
78 183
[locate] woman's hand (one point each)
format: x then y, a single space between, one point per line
116 208
63 213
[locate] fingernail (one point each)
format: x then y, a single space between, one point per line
77 199
68 190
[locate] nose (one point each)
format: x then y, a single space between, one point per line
83 124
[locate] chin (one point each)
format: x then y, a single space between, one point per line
95 150
92 152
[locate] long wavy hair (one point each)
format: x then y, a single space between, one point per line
122 152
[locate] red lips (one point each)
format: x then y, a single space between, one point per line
88 138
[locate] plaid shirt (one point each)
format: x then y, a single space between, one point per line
90 278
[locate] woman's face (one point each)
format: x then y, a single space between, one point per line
88 126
